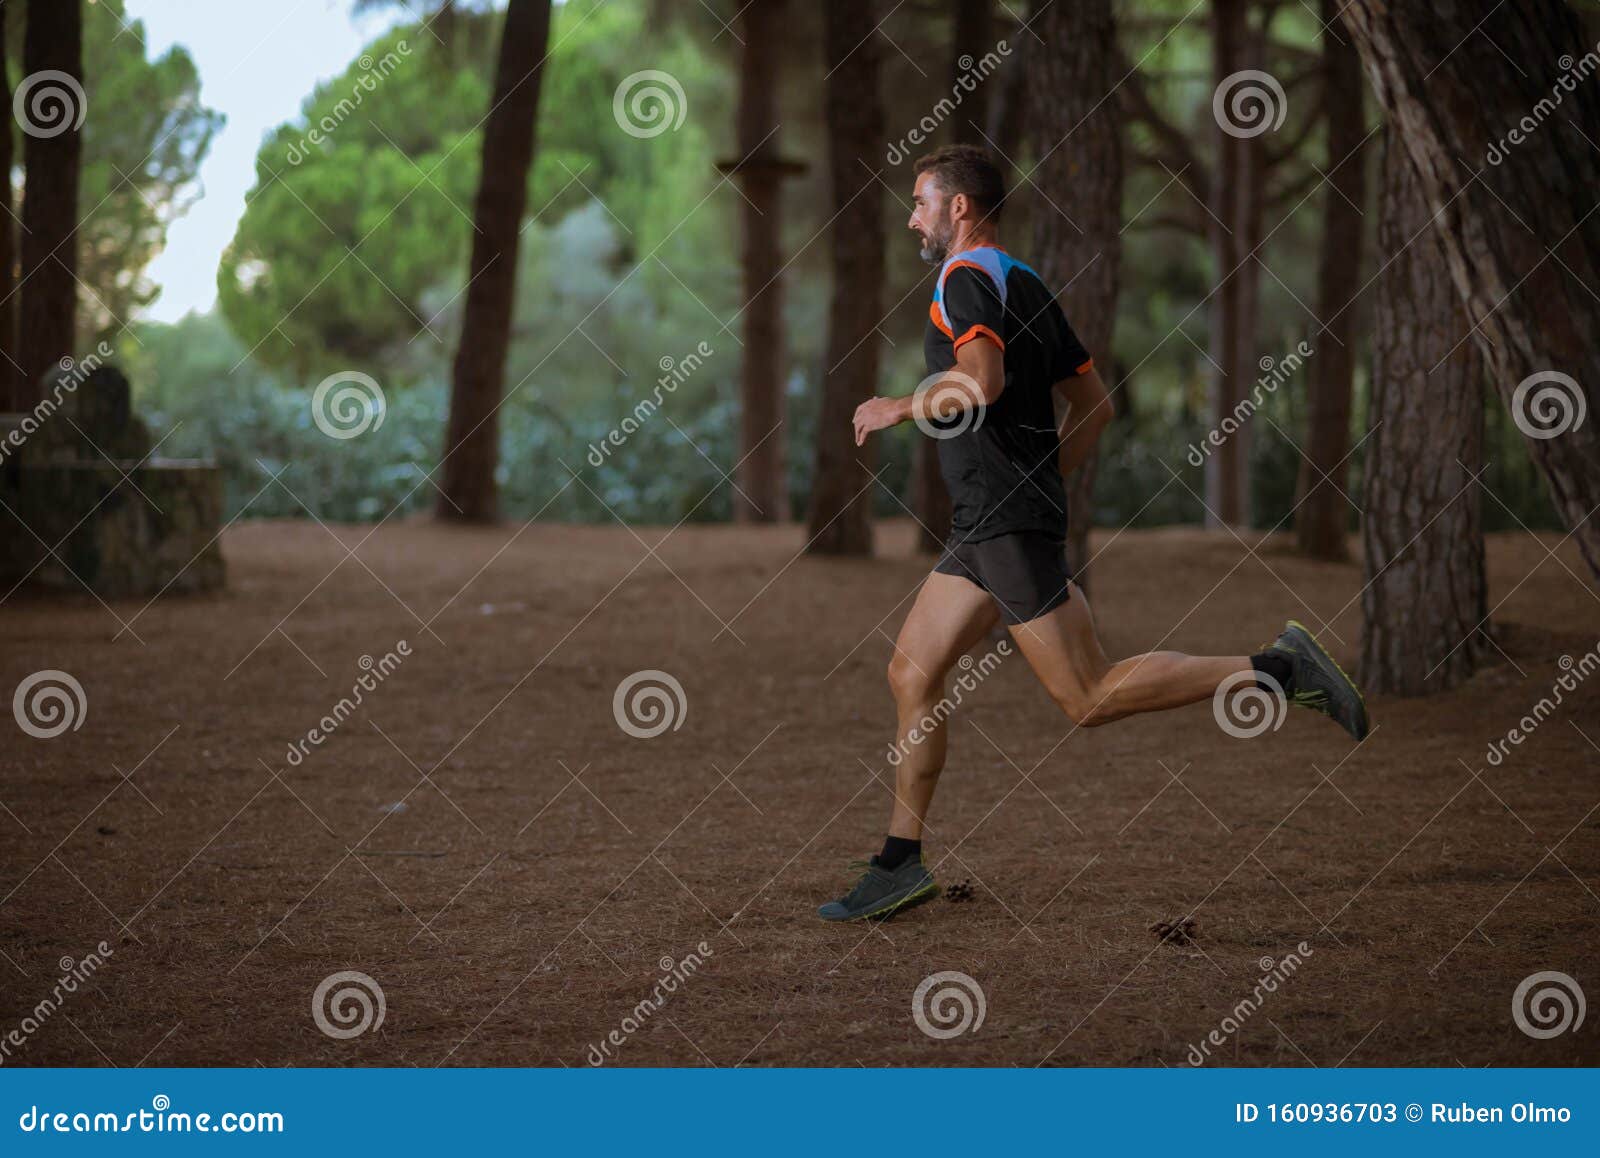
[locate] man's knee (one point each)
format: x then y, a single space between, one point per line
1082 707
910 683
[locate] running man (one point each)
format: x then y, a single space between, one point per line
1000 345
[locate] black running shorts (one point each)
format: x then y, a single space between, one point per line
1026 572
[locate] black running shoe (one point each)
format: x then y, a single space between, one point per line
882 892
1319 683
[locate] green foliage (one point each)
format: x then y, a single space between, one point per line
210 400
626 260
563 399
364 205
353 250
144 136
357 210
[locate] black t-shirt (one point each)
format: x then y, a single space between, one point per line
1000 463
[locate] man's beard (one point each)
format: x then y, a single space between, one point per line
937 246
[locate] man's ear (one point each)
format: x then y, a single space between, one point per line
960 205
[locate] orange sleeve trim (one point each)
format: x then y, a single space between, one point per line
978 332
933 316
955 265
1085 368
983 269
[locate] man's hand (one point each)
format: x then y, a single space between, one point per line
880 414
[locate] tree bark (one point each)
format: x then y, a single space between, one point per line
972 30
10 365
972 27
841 498
469 492
1235 230
52 154
1517 217
1322 512
1007 109
1424 602
1078 251
763 493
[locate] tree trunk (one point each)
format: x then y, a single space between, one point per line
972 35
763 494
1235 229
1007 109
447 28
472 443
971 32
1078 251
1424 602
1322 512
10 382
52 151
841 497
1521 237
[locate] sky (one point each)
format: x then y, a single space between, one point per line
257 62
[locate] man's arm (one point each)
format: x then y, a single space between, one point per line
1089 410
977 380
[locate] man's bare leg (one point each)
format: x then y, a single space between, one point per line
1065 654
950 615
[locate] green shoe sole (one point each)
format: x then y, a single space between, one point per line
926 893
1365 725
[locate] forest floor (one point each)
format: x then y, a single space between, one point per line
548 870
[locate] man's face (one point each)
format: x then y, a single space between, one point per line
932 218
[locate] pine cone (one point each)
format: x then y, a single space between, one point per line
1179 933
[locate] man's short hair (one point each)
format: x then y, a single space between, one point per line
967 169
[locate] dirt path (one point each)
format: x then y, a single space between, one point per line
519 908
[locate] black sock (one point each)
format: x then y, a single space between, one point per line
897 850
1275 668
